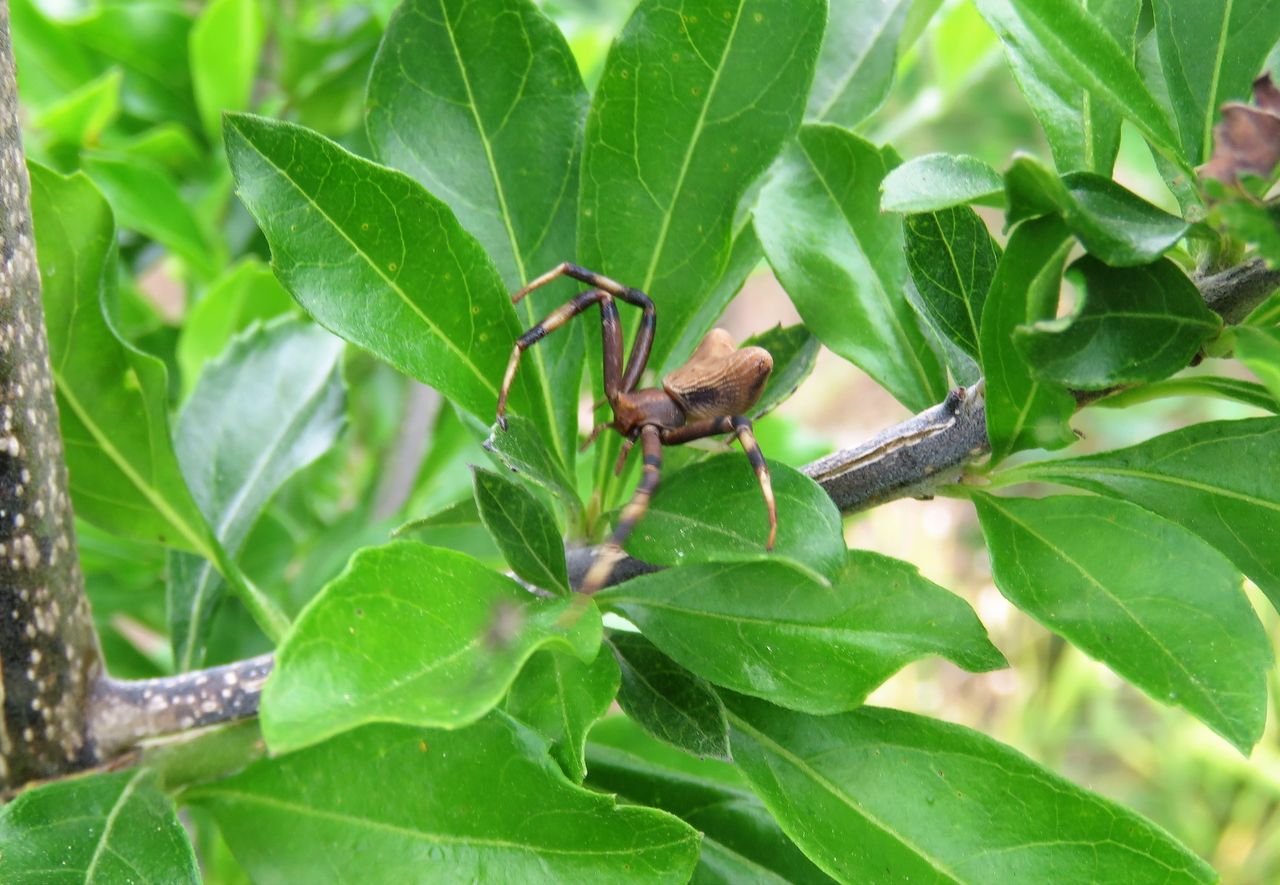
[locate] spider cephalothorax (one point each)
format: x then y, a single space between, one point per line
707 396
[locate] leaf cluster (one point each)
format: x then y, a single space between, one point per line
441 698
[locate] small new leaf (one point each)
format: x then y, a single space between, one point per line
667 700
524 530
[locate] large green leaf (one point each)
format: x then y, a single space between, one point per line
562 697
103 828
741 842
271 405
1211 478
524 530
842 263
713 511
767 630
953 259
940 181
667 700
1072 58
856 65
1113 223
380 262
1022 410
483 104
112 398
438 806
413 634
1135 324
1141 594
880 790
226 47
1210 53
694 102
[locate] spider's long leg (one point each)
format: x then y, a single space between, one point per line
648 321
611 551
740 427
611 332
748 439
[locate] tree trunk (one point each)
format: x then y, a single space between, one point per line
49 655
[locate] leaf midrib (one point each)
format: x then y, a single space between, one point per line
107 826
421 835
539 356
665 228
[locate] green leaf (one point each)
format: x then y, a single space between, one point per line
522 449
271 405
741 842
149 42
795 352
335 806
693 104
562 697
1210 53
842 263
713 511
1023 411
1082 128
1113 223
79 118
940 181
483 104
856 65
148 201
524 530
50 62
226 43
1141 594
1135 324
796 642
1205 477
1259 349
465 512
668 701
112 399
1063 43
745 257
104 828
1257 226
1197 385
876 790
952 259
412 634
380 262
247 292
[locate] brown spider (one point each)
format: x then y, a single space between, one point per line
706 396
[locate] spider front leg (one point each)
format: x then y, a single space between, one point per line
611 551
611 332
741 428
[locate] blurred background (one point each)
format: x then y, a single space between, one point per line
102 84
